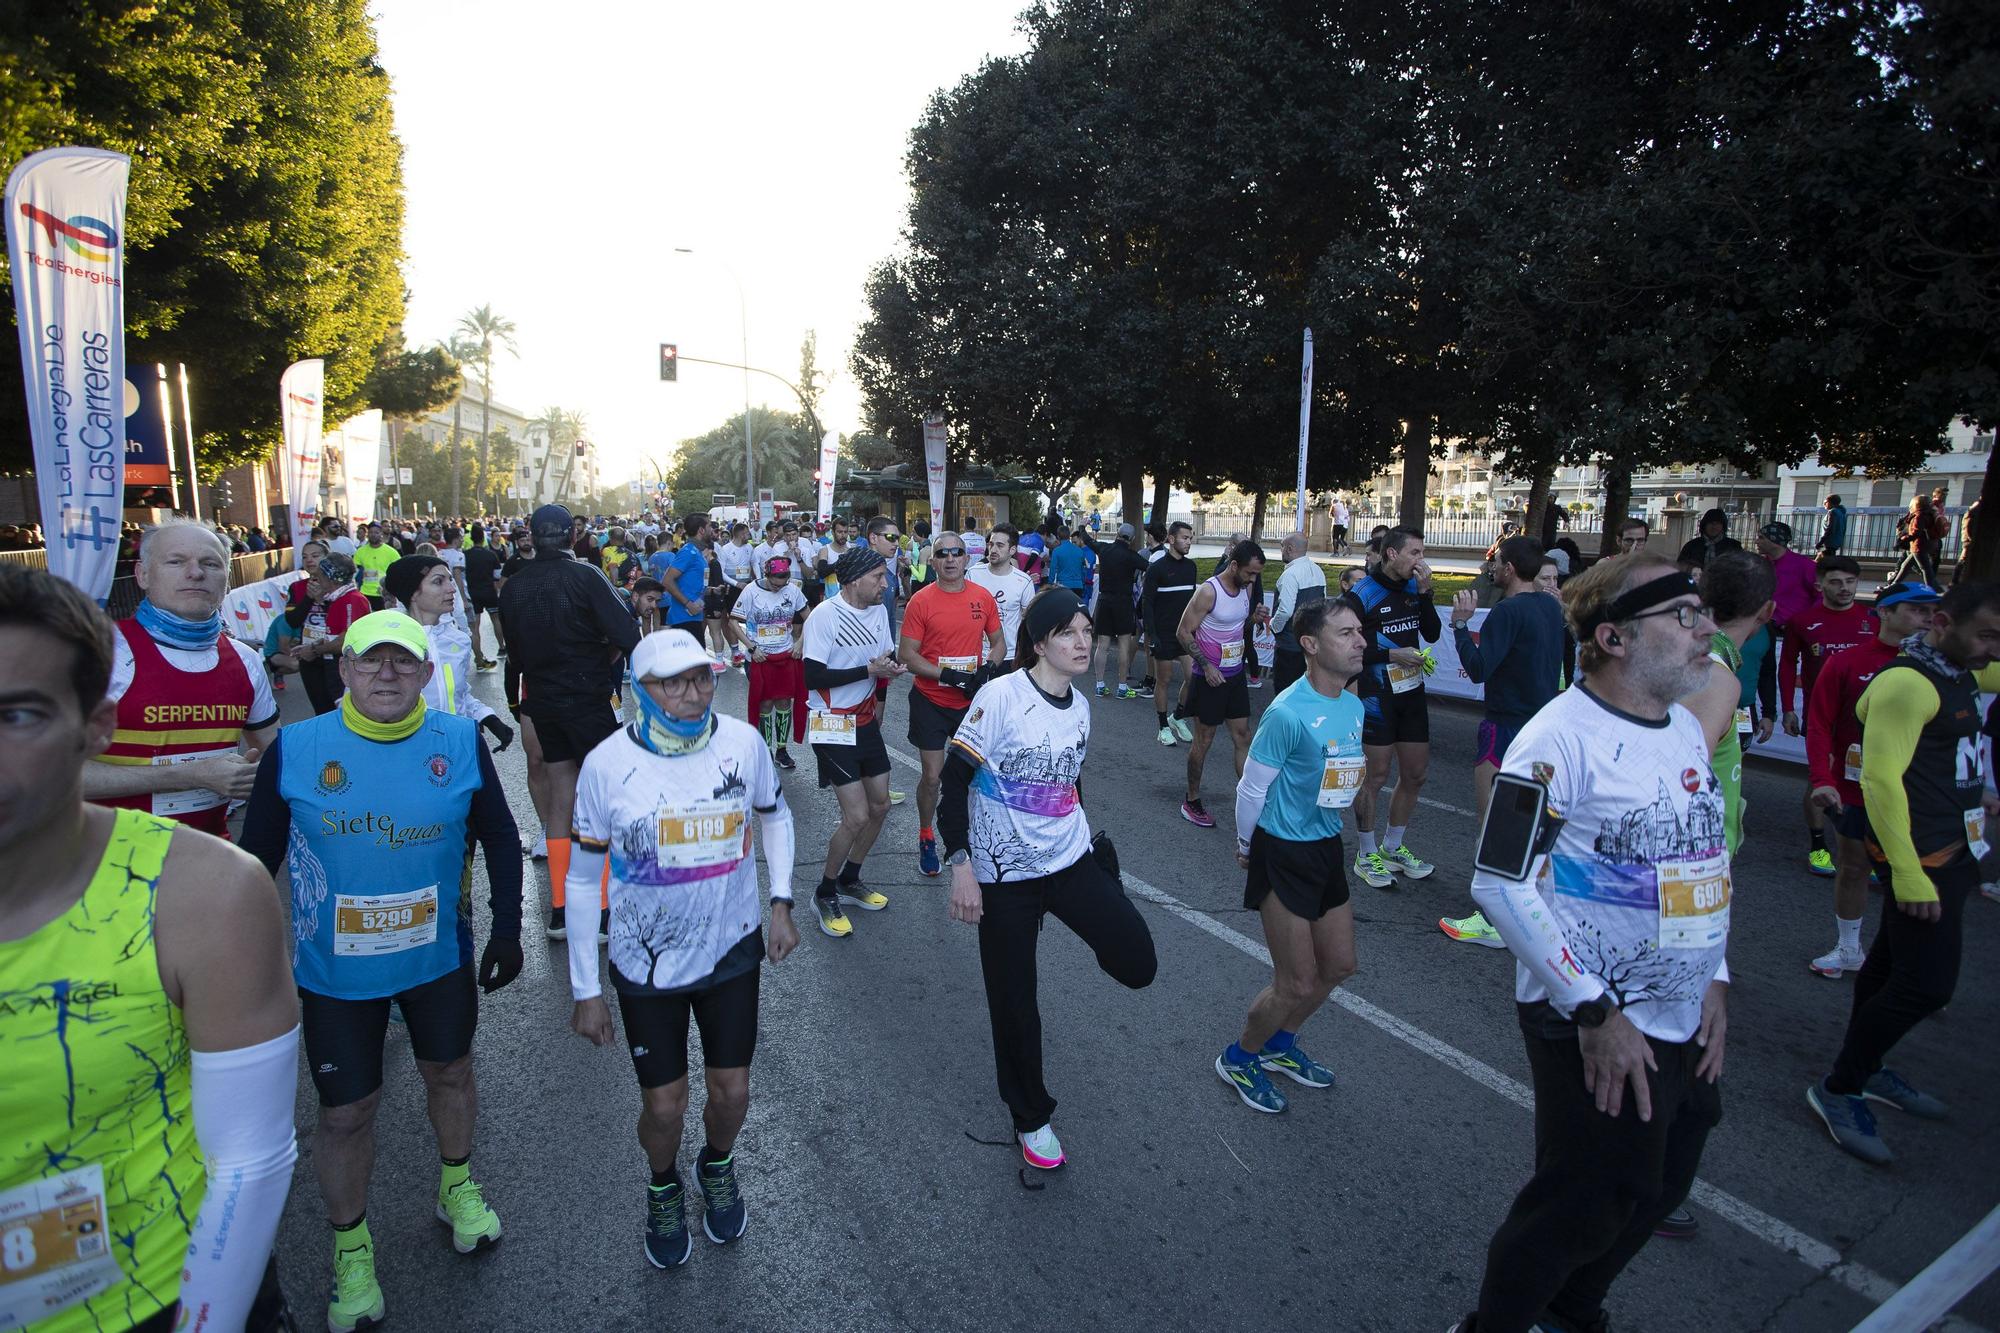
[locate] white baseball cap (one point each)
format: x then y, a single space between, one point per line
666 653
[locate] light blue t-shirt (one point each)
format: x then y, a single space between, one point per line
1295 735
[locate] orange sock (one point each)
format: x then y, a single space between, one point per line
604 884
558 869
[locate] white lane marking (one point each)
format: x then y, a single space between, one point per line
1814 1254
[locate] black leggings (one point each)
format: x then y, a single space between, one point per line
321 677
1600 1185
1910 974
1089 900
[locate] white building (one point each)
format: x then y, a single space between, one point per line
538 477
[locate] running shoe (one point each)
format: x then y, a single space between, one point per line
1474 929
1256 682
863 897
463 1208
667 1240
558 924
1192 812
927 858
604 925
1145 690
832 921
357 1296
1403 861
540 851
1127 692
1892 1089
784 759
895 798
1837 962
1820 862
1297 1066
1167 736
1041 1148
723 1214
1677 1225
1991 892
1372 870
1850 1122
1251 1083
1181 728
1101 690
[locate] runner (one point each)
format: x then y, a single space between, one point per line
194 705
1170 583
373 809
1305 767
829 553
1119 569
371 559
1394 599
1518 657
667 802
1020 848
766 618
883 539
335 604
848 647
1603 867
151 1034
568 629
1302 584
738 559
1737 587
1815 636
949 627
482 595
687 578
1833 758
1010 589
1923 775
1211 632
422 586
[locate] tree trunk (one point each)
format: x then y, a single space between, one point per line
1979 562
1131 490
1416 472
1538 504
485 423
1257 515
1617 503
1163 494
456 404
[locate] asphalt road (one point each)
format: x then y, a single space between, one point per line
874 1205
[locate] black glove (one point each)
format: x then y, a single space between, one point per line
502 733
499 964
953 678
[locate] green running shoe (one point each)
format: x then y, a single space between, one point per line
1820 862
1474 929
1297 1066
1251 1083
357 1296
1403 861
1181 728
1372 870
463 1207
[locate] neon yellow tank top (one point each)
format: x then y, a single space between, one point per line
100 1178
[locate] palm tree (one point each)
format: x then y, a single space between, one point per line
561 428
483 332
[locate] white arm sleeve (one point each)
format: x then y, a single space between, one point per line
585 868
243 1103
1535 938
775 828
1251 789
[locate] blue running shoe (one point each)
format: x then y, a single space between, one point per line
927 857
1892 1089
1297 1066
1850 1122
725 1215
1251 1083
667 1240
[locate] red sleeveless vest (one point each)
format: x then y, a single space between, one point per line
171 716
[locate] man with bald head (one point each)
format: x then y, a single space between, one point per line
1303 581
195 708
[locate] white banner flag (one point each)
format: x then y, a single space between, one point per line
1305 422
301 397
829 459
361 459
65 238
934 450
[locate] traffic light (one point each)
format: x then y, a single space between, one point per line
670 361
580 447
223 494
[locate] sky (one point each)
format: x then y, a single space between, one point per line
555 156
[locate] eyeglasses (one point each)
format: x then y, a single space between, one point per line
695 682
1687 616
949 552
375 666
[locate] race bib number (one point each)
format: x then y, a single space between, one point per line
773 634
1743 724
1340 781
1403 679
1975 833
1694 902
1854 763
1232 655
172 804
707 833
830 728
371 926
959 663
54 1246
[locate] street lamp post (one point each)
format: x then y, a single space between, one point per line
743 324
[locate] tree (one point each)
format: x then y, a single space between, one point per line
712 462
406 384
483 333
561 429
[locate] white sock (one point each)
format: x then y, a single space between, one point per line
1850 933
1395 838
1367 844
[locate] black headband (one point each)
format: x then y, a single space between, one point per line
1049 612
1649 594
857 563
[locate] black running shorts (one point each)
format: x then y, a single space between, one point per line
866 758
1310 878
1114 617
931 723
1212 705
569 737
1396 719
656 1026
343 1038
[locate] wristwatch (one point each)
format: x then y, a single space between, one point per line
1592 1013
958 858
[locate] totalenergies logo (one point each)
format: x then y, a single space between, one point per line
91 238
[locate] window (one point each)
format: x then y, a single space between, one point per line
1973 485
1886 494
1805 494
1982 442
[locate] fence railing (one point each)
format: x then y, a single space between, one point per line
124 598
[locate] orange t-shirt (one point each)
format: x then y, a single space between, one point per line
948 628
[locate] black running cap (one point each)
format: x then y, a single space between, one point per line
549 522
1647 595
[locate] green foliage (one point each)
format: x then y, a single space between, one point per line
712 463
264 218
406 384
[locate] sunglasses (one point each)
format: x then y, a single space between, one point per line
949 552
